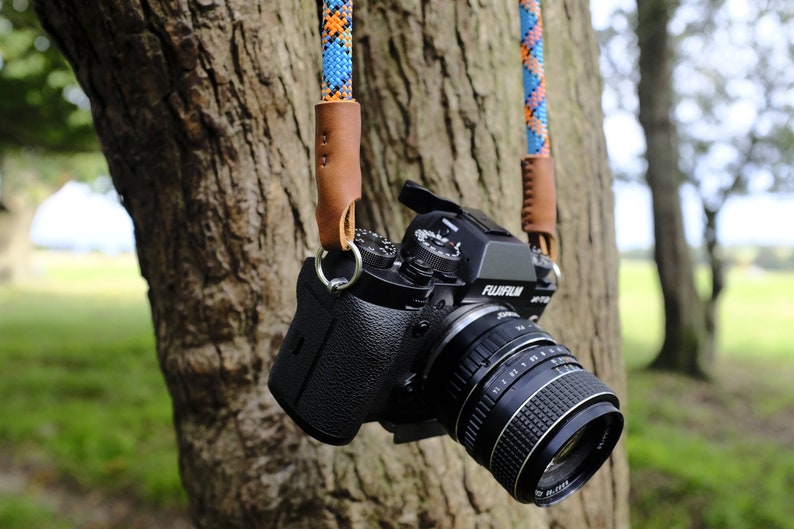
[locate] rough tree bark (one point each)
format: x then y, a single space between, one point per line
16 218
205 113
687 347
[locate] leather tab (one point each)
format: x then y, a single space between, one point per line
539 210
337 139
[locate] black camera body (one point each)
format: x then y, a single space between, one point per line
352 358
438 335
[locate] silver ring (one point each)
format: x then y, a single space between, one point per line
338 283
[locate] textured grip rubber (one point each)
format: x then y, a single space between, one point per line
335 358
536 418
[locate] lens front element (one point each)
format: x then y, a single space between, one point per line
521 404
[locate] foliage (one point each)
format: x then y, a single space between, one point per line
37 175
41 105
46 132
732 77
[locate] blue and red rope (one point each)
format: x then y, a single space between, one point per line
534 78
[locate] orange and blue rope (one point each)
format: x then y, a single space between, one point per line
337 79
337 41
534 78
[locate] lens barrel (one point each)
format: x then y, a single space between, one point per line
521 404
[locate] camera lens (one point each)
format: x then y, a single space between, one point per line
520 403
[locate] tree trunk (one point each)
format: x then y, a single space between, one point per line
16 218
685 334
717 269
205 113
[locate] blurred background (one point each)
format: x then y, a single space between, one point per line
85 421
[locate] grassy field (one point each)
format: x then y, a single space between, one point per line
81 395
83 402
713 455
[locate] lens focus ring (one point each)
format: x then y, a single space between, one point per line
536 418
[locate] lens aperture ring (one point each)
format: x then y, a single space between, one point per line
499 381
479 356
539 417
488 351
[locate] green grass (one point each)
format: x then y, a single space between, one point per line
79 382
756 314
83 399
713 455
22 512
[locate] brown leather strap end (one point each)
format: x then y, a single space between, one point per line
539 210
337 140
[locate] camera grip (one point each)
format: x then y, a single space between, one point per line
335 358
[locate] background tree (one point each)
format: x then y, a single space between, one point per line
204 112
733 106
44 121
714 103
685 333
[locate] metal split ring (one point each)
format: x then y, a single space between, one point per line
338 283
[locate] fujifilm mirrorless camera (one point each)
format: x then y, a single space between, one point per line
438 335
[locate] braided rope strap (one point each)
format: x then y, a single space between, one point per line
337 131
539 209
337 41
534 78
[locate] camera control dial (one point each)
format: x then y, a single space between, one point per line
376 251
434 249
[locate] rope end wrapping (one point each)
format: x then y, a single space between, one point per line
539 210
337 141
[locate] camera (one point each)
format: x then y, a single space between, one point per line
438 335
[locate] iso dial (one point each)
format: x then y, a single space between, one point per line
438 252
376 251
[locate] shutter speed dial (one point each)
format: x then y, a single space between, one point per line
434 249
376 251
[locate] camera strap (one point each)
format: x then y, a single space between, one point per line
338 133
539 208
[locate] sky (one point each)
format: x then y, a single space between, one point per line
77 218
758 220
